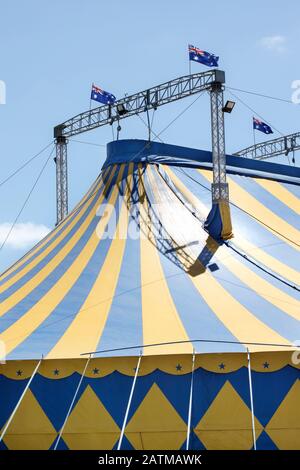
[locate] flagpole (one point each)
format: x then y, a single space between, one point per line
190 68
90 97
254 141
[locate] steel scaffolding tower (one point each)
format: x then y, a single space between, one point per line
219 186
61 179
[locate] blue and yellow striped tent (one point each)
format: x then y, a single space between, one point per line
132 275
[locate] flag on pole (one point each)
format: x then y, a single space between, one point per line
97 94
202 57
261 126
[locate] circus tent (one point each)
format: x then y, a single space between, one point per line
130 326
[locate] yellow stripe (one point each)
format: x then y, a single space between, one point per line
55 261
262 287
42 255
267 260
86 329
224 209
29 322
281 193
92 188
248 203
222 302
51 247
161 322
170 210
249 248
237 319
189 196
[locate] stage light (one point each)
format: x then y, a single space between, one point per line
121 109
229 105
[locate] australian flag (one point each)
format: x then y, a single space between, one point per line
261 126
102 96
203 57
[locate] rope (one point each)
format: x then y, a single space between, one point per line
24 165
260 94
293 286
188 341
256 113
189 427
129 402
87 143
251 399
243 210
20 400
229 245
151 130
72 403
26 200
181 113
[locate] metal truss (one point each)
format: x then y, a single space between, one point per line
272 148
219 186
146 100
139 102
61 179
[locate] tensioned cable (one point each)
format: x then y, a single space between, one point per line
54 322
256 113
293 286
157 136
243 210
260 95
261 117
173 120
152 118
24 164
216 341
99 145
243 255
261 267
87 143
74 211
181 113
27 199
151 130
258 266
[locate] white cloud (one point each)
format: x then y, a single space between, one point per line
23 235
275 43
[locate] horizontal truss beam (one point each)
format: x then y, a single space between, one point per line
139 102
272 148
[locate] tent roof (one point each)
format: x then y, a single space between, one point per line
132 265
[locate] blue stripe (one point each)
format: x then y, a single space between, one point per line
295 190
199 320
268 200
162 238
268 277
58 231
44 338
124 326
273 317
197 317
36 269
126 151
265 239
252 230
33 297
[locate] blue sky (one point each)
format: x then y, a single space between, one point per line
50 52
